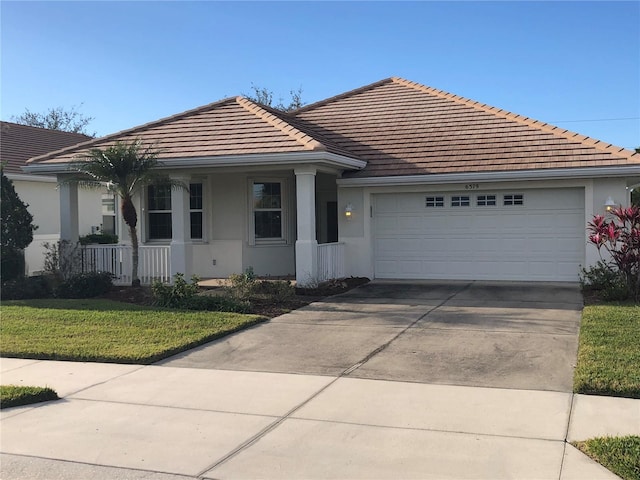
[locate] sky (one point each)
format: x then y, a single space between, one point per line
573 64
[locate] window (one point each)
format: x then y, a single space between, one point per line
434 202
159 212
514 199
109 213
460 201
486 201
195 210
267 210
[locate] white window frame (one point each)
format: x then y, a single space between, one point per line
203 184
486 200
285 231
460 200
434 201
147 217
109 214
512 200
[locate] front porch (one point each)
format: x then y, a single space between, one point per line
278 223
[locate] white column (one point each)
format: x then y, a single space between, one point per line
181 230
68 212
306 243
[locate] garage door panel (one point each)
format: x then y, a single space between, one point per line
534 241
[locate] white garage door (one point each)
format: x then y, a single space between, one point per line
497 235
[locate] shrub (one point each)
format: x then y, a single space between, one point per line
85 285
174 296
620 238
214 303
242 284
100 238
609 282
25 288
276 290
62 259
11 263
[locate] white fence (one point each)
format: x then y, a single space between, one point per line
154 262
330 261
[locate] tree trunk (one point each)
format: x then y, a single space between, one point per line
135 281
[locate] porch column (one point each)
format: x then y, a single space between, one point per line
68 193
181 229
306 243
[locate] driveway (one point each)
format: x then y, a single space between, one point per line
487 334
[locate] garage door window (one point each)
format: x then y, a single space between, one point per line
460 201
434 202
486 201
514 199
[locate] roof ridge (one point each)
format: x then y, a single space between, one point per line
530 122
340 96
88 143
306 140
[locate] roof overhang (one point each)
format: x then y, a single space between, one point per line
30 178
483 177
321 158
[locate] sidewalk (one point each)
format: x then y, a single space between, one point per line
163 423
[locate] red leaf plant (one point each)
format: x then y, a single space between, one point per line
620 237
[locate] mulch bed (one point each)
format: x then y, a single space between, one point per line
266 308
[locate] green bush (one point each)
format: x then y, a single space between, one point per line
85 285
11 264
242 284
214 303
608 281
276 290
25 288
99 238
175 296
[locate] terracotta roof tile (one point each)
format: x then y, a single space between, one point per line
18 143
399 127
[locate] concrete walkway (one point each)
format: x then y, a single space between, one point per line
463 380
133 422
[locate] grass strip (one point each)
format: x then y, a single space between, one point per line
609 351
621 455
107 331
14 395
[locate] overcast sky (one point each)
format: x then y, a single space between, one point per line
574 64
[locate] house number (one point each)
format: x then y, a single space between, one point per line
471 186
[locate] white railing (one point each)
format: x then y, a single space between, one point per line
154 262
330 261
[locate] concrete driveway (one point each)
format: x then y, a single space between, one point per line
488 334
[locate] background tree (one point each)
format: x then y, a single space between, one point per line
65 120
126 169
264 96
16 230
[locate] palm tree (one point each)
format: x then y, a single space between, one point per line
125 169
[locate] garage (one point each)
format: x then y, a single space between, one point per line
480 234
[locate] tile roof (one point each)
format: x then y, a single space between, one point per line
233 126
404 128
18 143
398 127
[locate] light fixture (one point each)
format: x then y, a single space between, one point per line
610 204
348 211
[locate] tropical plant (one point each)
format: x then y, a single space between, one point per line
125 168
620 238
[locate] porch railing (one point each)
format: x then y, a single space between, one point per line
330 261
154 262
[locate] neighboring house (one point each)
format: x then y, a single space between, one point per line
392 180
18 143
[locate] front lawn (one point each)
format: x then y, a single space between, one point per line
609 351
621 455
107 331
14 395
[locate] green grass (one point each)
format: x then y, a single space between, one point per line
621 455
14 396
609 351
107 331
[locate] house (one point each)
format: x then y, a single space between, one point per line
18 143
393 180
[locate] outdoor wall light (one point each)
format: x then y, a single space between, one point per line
348 211
610 204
